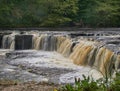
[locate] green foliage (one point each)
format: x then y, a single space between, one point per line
109 11
57 20
60 12
52 13
90 85
82 85
115 86
87 11
104 13
17 13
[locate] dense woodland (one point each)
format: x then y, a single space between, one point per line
57 13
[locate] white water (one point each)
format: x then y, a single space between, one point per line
47 59
85 52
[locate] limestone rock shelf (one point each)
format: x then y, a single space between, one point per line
99 50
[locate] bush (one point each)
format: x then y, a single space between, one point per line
90 85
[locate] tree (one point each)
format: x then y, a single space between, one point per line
60 12
87 12
109 13
103 13
37 13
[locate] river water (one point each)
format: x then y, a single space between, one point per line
58 57
32 65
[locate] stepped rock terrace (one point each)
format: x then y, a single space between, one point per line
58 56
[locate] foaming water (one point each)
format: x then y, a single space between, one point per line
65 47
51 60
87 53
62 51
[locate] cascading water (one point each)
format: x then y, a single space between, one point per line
8 42
87 53
45 42
80 52
65 47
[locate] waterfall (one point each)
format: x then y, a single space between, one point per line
45 42
60 39
117 62
1 37
103 60
37 42
65 47
80 51
8 42
88 53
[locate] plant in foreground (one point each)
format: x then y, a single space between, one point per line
81 85
88 84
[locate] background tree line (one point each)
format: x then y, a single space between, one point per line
56 13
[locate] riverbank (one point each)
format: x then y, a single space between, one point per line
10 85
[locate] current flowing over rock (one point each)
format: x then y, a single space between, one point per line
80 50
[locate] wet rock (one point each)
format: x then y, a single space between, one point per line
23 42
